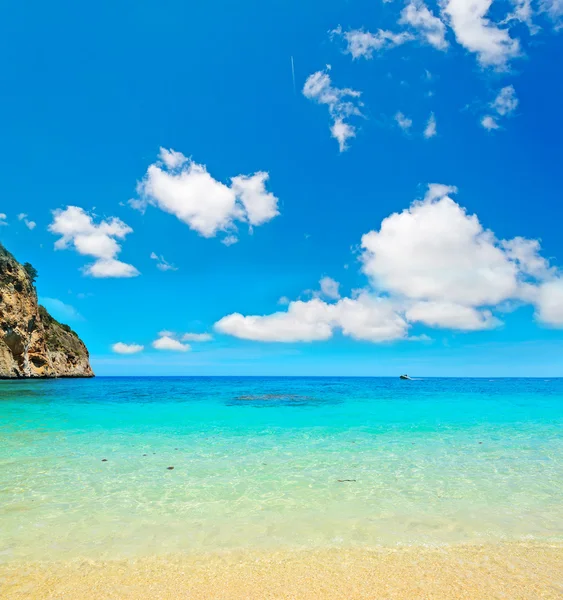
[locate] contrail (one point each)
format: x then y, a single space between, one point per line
293 75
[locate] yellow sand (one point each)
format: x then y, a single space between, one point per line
508 571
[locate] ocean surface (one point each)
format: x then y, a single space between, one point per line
275 463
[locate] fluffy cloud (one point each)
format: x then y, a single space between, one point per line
329 288
432 263
503 105
121 348
451 315
29 224
166 341
506 101
179 186
549 302
77 229
197 337
162 264
3 218
474 31
403 122
489 123
342 103
431 28
434 250
360 43
362 318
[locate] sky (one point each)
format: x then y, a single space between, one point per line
323 188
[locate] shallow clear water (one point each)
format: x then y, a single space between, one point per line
257 463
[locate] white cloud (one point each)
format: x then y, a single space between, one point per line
329 288
549 302
60 310
29 224
417 15
489 123
229 240
506 101
261 206
475 32
121 348
503 105
342 103
181 187
363 43
523 12
284 301
430 129
3 218
432 263
162 264
302 322
434 250
172 159
197 337
403 122
451 316
77 228
363 318
554 9
165 341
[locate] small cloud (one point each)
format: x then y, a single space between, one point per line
121 348
403 122
430 130
342 103
284 301
78 230
229 240
503 105
167 342
420 338
329 288
506 101
197 337
489 123
60 310
29 224
162 264
3 219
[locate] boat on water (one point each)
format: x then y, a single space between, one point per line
404 377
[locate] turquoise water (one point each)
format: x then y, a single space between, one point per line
257 463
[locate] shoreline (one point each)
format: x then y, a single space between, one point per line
515 570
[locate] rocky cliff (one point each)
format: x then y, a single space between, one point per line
32 343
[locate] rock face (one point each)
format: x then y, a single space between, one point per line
32 343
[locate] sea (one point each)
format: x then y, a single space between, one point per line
114 468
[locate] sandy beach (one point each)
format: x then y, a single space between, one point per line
515 571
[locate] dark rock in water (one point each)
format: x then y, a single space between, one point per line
104 459
144 454
32 343
344 480
170 468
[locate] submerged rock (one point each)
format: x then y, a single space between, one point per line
32 342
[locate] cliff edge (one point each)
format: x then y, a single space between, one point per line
32 343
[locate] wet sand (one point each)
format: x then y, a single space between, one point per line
512 571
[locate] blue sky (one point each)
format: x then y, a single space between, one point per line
276 182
